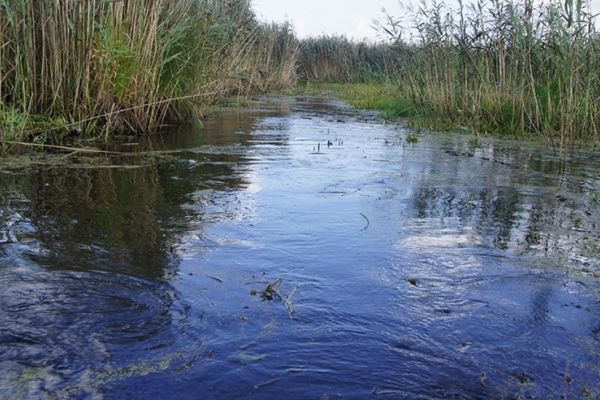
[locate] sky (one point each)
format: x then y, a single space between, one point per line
350 17
314 17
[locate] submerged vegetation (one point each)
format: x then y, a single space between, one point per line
502 66
114 66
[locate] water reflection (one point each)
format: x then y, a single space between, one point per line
128 220
515 200
450 268
91 219
63 332
87 252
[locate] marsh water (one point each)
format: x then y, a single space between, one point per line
454 267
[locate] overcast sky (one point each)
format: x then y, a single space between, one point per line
314 17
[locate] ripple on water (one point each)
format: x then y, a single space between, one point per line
76 332
427 270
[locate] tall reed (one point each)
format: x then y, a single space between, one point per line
129 65
339 59
507 66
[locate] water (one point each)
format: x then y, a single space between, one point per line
449 268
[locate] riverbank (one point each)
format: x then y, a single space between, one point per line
524 70
110 68
393 106
510 68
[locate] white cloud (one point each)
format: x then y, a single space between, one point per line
313 17
350 17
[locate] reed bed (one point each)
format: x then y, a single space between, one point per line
334 59
130 66
510 67
89 67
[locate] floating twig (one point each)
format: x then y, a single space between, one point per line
367 221
267 383
67 148
214 278
271 292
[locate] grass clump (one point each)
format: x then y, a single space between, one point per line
412 139
366 96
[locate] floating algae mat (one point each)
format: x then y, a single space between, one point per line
301 249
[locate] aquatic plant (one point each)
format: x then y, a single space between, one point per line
412 139
339 59
504 66
507 66
131 65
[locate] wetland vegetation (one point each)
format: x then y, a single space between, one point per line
105 67
96 68
295 246
516 68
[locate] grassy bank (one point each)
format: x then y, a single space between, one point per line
383 97
129 66
97 67
365 96
508 67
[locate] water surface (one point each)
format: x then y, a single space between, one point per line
454 267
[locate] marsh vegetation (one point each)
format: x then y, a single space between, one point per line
502 66
98 67
508 67
232 261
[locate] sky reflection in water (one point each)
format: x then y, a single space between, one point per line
450 268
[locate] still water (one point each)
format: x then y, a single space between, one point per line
451 268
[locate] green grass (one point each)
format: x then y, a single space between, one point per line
381 97
365 96
513 68
387 99
412 139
